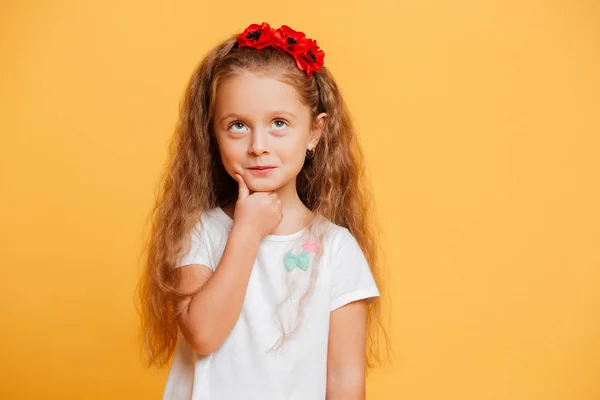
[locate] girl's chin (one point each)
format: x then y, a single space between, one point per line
266 184
262 186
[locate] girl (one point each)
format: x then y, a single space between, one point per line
261 272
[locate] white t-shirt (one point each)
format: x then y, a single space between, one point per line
247 366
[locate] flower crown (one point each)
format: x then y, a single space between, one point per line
309 57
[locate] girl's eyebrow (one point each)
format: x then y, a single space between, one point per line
234 115
283 112
275 112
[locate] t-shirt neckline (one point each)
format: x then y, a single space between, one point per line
275 238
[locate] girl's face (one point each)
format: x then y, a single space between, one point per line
263 130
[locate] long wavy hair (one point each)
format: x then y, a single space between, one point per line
332 184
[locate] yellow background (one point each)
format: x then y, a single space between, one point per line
480 122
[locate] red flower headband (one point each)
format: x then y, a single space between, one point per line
309 57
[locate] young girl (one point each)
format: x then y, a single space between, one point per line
261 272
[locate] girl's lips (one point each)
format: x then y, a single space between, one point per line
261 170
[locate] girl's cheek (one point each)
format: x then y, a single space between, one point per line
298 158
235 150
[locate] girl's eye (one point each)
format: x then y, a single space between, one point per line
237 126
280 124
240 126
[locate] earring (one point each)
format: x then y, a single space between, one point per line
310 153
220 160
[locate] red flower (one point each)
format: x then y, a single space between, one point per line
311 58
289 40
308 56
257 36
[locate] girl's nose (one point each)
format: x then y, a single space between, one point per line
258 142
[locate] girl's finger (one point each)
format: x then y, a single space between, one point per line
243 191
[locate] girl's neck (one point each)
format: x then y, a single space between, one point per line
295 214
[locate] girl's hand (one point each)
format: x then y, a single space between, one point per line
258 213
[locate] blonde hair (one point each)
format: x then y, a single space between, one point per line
332 184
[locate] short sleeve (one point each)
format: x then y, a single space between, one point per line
199 250
352 279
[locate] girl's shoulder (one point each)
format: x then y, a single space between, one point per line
215 224
215 217
337 236
212 223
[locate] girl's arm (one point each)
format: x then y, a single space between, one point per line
346 355
209 316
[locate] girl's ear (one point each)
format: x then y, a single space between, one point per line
318 130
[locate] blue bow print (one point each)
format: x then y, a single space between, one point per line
291 261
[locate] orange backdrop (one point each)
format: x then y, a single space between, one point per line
480 123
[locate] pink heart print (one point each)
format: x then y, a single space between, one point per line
312 246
